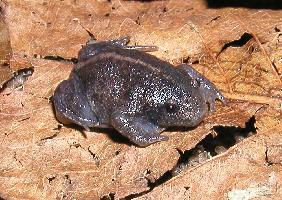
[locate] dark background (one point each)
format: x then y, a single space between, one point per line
268 4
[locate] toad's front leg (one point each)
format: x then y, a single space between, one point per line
137 129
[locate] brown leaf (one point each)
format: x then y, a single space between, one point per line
239 50
5 50
240 173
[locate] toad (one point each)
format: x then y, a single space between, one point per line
114 85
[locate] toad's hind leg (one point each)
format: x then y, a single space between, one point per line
209 90
71 104
123 41
137 129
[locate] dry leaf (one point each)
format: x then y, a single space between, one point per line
239 50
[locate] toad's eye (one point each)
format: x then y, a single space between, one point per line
171 107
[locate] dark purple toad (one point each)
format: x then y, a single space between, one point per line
122 87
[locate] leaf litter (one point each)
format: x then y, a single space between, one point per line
239 50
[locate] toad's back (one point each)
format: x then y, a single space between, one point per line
116 77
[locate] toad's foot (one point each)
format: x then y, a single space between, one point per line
137 129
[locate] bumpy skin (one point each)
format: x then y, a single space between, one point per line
121 87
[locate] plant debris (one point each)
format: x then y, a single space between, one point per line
233 153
